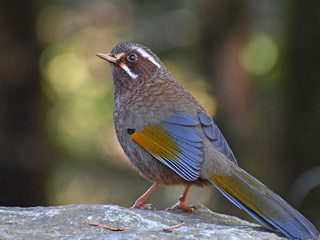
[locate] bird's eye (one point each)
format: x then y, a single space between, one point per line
132 58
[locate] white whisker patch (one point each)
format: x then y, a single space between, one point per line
147 55
131 74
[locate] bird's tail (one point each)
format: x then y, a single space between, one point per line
264 205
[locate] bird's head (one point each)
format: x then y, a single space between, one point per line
132 61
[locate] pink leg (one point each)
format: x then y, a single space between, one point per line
140 201
182 204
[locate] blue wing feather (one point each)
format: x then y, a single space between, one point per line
185 132
212 131
189 133
193 147
182 127
183 118
182 169
205 119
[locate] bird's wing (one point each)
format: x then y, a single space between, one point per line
176 142
212 131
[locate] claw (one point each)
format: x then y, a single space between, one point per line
184 207
182 204
140 201
147 206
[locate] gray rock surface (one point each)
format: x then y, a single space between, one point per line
68 223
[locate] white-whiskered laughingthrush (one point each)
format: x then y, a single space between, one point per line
171 140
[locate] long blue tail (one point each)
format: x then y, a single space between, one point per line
263 204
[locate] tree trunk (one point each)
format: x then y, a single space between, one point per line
22 150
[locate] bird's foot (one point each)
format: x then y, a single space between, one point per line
182 206
147 206
140 201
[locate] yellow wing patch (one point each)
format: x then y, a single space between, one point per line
157 141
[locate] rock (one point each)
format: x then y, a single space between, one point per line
69 223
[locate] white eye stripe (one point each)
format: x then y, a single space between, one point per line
147 55
131 74
120 55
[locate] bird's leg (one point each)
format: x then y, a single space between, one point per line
140 201
182 203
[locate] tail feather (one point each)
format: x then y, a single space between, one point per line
264 205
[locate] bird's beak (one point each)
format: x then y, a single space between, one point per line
108 57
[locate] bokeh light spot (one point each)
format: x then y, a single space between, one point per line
67 73
260 54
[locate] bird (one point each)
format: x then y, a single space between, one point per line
171 140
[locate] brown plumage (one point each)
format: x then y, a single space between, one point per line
170 140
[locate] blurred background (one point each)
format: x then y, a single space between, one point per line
254 65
